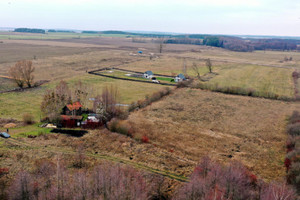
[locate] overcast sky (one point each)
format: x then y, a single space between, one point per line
250 17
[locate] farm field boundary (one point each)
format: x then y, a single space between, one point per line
98 73
38 84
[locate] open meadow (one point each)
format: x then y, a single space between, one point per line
181 127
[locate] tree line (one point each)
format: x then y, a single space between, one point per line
30 30
239 44
209 181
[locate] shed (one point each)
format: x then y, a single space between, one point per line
180 77
70 121
148 74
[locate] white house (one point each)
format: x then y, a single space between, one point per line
148 74
179 77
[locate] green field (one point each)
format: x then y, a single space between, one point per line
165 79
122 74
15 104
6 84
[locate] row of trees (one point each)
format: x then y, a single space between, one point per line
292 161
22 73
30 30
209 181
238 44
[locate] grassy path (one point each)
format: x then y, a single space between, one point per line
25 146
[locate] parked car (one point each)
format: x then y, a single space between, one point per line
155 81
5 135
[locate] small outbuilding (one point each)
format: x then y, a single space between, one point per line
180 77
70 121
148 74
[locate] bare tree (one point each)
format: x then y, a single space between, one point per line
184 67
22 73
81 92
28 70
208 65
16 73
54 101
161 44
196 70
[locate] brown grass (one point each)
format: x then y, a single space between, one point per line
194 123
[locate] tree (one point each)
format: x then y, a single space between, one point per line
22 73
278 191
208 65
16 73
81 92
161 44
196 70
28 70
184 67
54 101
109 97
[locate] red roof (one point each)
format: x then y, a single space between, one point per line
74 106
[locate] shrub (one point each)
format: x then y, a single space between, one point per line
294 129
121 127
294 175
295 117
28 119
145 139
132 107
277 191
3 171
112 126
149 99
183 84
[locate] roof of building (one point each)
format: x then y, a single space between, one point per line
75 106
149 72
181 76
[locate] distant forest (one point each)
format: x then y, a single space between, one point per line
239 44
30 30
60 31
227 42
232 43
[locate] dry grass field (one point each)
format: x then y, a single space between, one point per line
182 127
192 123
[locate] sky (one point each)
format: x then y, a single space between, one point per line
234 17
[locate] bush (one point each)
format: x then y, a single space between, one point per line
148 100
294 175
295 117
121 127
294 129
28 119
183 84
145 139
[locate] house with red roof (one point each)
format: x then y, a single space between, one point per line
71 115
73 109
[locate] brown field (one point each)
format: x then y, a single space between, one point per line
194 123
182 127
